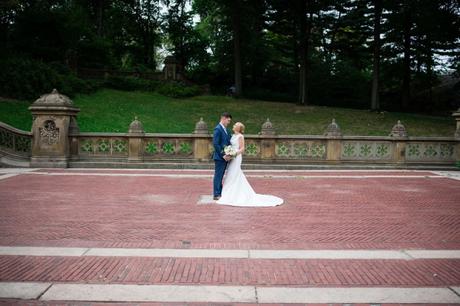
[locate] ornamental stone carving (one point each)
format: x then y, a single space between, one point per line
49 133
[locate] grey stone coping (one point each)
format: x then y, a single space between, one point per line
271 137
14 130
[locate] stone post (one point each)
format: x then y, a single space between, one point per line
172 68
334 138
456 115
54 117
267 142
399 133
201 141
135 134
74 130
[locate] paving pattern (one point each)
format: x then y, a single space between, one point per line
324 211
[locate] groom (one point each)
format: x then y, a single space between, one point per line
220 139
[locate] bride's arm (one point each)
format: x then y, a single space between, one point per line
241 142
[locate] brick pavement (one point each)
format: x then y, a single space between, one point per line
158 209
320 213
230 271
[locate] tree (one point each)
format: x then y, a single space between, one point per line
236 25
304 36
375 103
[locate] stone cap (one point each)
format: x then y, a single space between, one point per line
398 130
333 129
53 101
201 127
54 98
267 128
136 127
456 113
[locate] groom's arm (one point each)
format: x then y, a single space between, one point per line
216 142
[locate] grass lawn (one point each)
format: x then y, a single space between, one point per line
112 111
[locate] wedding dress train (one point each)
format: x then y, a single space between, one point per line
237 191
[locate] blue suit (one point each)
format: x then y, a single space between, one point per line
220 140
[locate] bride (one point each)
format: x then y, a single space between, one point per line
236 190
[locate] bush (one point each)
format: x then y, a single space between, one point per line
24 78
268 95
130 83
178 90
170 89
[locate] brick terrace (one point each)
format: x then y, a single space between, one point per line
158 209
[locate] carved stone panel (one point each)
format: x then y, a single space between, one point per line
366 150
49 133
430 151
301 150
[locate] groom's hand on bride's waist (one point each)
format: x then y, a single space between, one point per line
227 157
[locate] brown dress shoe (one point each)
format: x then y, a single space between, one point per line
216 198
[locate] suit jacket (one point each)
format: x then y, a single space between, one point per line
220 140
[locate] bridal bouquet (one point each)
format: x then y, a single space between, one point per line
229 150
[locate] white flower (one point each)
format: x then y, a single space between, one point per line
229 150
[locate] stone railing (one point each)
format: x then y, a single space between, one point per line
15 145
55 141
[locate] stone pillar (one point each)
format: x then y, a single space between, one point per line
267 142
54 116
399 133
135 134
456 115
201 141
74 130
334 135
172 68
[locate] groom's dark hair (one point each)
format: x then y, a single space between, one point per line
226 115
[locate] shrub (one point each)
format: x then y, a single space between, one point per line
170 89
130 83
24 78
178 90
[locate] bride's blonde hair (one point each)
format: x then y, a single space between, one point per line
240 126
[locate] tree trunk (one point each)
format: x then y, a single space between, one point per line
237 46
406 62
303 50
375 101
429 68
99 17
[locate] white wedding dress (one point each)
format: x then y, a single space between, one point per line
236 189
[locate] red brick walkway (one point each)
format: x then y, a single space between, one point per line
158 209
221 271
319 213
